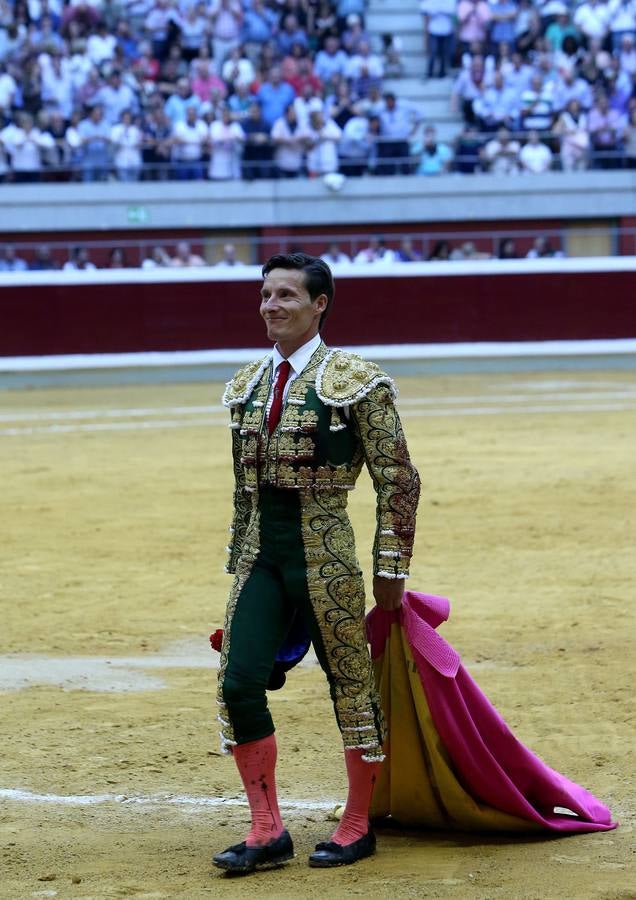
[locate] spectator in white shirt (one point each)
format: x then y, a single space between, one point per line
571 126
8 88
335 256
627 55
79 260
116 96
376 252
501 155
321 140
228 259
289 144
24 144
238 69
226 17
535 157
126 139
226 142
189 139
57 84
101 45
622 21
592 19
331 61
364 64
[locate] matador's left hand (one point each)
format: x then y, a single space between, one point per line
388 592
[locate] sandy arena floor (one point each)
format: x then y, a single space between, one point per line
115 506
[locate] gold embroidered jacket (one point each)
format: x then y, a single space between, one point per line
339 414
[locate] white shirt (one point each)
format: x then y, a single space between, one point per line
226 142
535 158
299 360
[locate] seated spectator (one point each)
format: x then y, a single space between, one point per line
204 82
467 150
518 75
503 14
497 107
173 68
331 60
474 19
78 260
226 19
376 252
94 137
321 139
391 56
238 69
572 130
621 21
228 259
226 140
43 260
274 96
535 157
542 249
188 140
501 154
289 144
436 157
363 70
439 32
8 88
309 101
592 20
117 259
441 252
291 33
570 87
126 139
626 55
507 249
239 103
127 42
340 106
468 250
354 35
157 259
607 127
185 257
305 78
10 261
335 256
407 252
536 112
468 86
115 97
356 146
257 151
527 26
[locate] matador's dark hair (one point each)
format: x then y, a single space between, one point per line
318 277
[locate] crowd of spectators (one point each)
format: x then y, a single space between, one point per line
378 251
227 89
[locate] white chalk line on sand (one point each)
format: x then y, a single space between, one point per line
157 424
21 796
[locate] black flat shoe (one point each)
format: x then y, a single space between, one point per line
241 859
328 853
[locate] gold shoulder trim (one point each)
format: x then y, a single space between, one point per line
345 378
239 389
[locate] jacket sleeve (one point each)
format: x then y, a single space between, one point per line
242 501
395 479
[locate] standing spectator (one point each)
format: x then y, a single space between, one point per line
24 143
126 139
157 144
335 256
535 157
188 141
398 124
364 70
290 35
204 82
560 28
31 87
257 152
275 95
468 86
622 21
572 129
592 20
356 146
8 88
468 150
226 17
288 143
238 70
436 157
626 56
501 154
184 256
194 30
57 85
115 97
100 46
439 29
321 140
331 60
10 261
474 18
260 23
79 260
226 140
503 14
159 26
228 259
94 135
607 128
178 103
630 140
527 26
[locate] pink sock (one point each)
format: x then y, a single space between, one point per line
256 762
355 819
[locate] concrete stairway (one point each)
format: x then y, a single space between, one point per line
431 98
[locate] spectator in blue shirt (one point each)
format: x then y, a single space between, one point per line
502 28
436 157
177 104
274 96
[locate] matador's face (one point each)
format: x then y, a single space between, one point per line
292 318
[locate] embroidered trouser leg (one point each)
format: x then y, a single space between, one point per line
289 568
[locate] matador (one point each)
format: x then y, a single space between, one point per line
304 421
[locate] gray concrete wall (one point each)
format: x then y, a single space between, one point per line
210 205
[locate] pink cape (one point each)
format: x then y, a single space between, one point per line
491 763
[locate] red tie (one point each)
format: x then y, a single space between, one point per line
282 374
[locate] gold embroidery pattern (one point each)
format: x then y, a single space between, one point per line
336 591
395 478
345 378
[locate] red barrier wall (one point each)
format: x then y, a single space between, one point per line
132 317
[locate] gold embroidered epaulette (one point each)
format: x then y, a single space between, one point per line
239 389
345 378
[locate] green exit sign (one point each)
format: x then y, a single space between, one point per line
138 215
